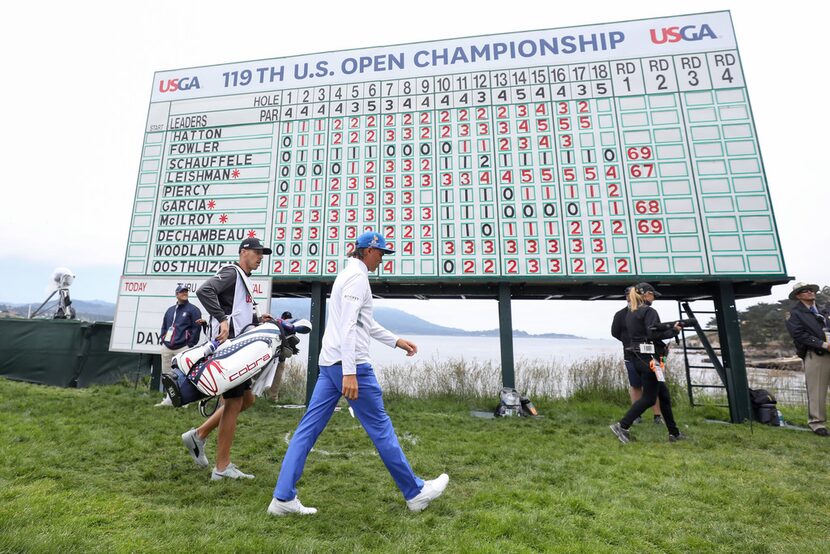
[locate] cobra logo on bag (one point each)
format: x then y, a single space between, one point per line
253 366
234 364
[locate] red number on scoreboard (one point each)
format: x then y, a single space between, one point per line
641 153
644 170
647 206
646 226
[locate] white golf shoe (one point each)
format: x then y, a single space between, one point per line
165 403
431 490
230 472
280 508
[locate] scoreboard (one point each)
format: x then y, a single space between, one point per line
603 151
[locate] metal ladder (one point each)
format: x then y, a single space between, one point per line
713 354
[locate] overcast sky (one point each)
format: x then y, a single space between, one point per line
78 76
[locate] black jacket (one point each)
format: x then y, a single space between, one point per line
618 329
807 329
639 324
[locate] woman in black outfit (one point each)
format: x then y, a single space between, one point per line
647 348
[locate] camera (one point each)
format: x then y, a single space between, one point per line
661 327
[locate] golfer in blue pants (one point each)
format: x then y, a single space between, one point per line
345 370
369 410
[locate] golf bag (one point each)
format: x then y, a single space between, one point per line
211 369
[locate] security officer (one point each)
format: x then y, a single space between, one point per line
180 330
809 327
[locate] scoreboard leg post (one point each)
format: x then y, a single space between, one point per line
506 336
155 372
315 338
729 333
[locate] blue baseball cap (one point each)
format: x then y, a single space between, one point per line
371 239
182 288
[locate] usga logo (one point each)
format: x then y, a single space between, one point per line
184 83
676 34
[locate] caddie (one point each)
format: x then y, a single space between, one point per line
228 299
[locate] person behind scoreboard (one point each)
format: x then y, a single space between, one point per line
647 352
635 388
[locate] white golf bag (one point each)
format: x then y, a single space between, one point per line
212 368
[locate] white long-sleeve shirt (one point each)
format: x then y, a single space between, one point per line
349 322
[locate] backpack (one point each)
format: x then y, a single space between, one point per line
511 403
759 397
764 407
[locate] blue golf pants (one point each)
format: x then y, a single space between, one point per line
368 409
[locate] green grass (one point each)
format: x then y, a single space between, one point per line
101 470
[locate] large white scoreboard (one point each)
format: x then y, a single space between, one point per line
601 151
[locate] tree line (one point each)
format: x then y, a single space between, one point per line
764 324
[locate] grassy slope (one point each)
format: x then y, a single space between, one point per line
102 470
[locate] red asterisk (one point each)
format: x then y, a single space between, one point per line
211 204
235 173
223 218
251 234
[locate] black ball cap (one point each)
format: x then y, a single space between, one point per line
253 244
643 288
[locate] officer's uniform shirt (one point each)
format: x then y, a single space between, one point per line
807 328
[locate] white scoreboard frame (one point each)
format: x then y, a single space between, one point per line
606 152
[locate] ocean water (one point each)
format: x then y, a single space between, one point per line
487 349
786 385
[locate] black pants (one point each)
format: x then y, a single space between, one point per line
652 389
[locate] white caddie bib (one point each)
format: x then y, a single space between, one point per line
242 311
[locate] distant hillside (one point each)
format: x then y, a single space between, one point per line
403 323
397 321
